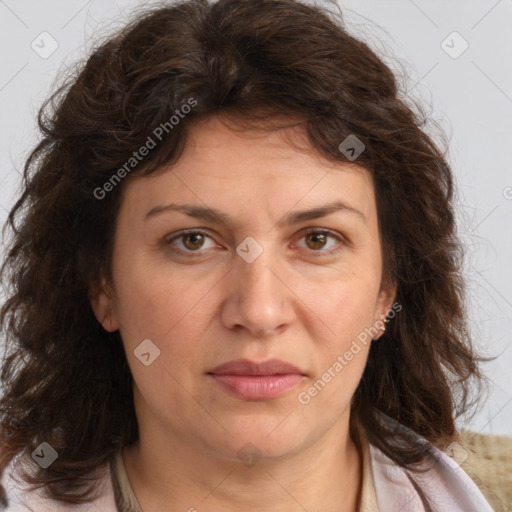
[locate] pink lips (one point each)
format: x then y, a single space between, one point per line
256 381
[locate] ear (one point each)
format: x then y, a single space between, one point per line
385 303
100 296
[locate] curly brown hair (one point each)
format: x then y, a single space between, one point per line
66 380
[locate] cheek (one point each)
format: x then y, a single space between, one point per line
341 307
153 303
166 311
341 314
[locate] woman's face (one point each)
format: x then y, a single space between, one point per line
258 278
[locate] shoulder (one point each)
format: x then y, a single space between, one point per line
438 480
487 459
21 497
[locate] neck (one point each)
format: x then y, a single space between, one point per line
325 476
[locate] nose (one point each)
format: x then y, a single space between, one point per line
258 301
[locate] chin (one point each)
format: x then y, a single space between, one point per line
256 439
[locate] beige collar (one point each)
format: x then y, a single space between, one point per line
125 498
368 496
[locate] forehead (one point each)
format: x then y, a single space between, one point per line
282 140
223 165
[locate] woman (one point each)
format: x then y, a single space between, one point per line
235 280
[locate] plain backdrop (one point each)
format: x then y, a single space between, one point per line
457 58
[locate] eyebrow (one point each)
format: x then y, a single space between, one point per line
294 217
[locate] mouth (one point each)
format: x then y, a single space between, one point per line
249 380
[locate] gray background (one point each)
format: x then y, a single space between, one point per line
470 94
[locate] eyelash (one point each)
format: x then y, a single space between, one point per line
320 252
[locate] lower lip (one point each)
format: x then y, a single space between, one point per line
257 387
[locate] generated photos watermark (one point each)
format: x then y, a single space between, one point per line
158 134
304 397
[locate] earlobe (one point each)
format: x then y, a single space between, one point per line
101 303
385 307
387 298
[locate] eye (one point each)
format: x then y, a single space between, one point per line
190 241
318 240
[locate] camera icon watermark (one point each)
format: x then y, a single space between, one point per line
507 193
249 249
44 45
44 455
147 352
454 45
351 147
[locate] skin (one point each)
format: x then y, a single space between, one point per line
294 302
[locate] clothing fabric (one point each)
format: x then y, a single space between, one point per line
386 487
368 501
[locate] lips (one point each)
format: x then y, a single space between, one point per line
246 367
249 380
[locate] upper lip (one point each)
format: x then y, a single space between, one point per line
248 367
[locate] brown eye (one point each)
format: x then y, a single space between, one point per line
193 241
320 242
316 240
